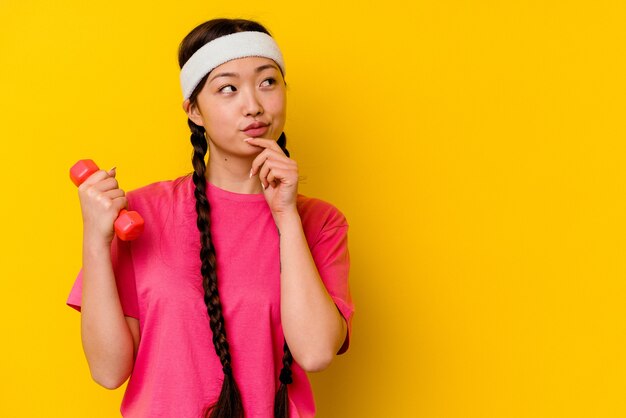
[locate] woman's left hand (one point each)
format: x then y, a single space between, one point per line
278 175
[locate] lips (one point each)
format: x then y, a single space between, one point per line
255 125
256 129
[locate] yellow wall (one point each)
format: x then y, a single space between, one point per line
477 149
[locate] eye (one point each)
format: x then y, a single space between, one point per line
227 89
268 82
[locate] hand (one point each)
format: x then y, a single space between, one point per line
101 200
278 175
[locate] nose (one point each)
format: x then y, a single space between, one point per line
252 105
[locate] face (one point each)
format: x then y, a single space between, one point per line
237 94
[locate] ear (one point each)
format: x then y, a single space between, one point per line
193 112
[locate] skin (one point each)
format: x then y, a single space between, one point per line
236 94
109 338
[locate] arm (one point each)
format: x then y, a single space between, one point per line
109 339
313 326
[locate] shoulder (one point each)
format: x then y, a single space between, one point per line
319 216
158 193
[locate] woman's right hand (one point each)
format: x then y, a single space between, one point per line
108 338
101 201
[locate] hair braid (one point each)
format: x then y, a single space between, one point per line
281 401
229 404
282 143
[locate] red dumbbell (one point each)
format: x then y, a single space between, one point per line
129 224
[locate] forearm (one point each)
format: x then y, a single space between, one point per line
107 340
313 326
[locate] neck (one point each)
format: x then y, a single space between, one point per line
232 174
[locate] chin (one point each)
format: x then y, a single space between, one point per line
249 150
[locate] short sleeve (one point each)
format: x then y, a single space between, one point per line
331 256
121 260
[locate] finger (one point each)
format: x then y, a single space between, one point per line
106 184
109 202
107 199
114 194
264 143
271 165
97 177
264 156
93 179
280 175
120 203
274 177
259 161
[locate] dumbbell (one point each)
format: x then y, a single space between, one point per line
129 224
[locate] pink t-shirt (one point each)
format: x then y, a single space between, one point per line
176 371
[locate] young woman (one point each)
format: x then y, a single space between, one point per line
238 284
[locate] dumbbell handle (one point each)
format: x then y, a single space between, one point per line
129 224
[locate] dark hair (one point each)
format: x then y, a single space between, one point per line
229 404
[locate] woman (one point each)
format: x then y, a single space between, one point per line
270 286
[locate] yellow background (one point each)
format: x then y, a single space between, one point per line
477 149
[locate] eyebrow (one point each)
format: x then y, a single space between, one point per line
257 70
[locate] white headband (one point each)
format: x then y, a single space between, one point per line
224 49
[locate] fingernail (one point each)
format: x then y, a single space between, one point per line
263 185
250 176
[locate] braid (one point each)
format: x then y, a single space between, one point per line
229 403
281 401
282 143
